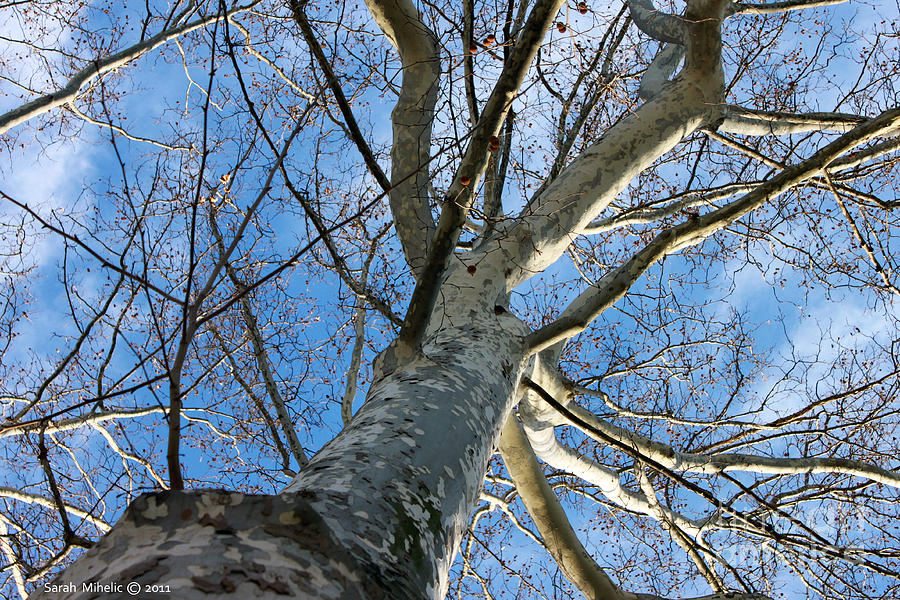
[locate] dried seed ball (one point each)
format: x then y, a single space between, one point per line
582 8
473 49
490 40
494 143
465 180
471 269
561 27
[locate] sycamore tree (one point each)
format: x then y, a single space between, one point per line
404 299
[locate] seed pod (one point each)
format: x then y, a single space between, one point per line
490 40
494 143
465 180
561 27
471 269
582 8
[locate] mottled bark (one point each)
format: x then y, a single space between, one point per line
411 121
380 510
377 513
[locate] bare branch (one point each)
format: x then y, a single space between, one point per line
80 421
70 91
29 498
677 535
266 60
591 303
642 216
668 457
360 334
539 420
661 69
744 121
297 8
109 125
748 8
550 518
411 120
460 195
76 240
70 538
12 558
260 354
660 26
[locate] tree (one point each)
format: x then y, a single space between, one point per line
650 245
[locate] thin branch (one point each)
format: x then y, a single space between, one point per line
260 354
359 342
870 252
77 422
75 239
643 216
264 59
114 446
70 91
297 8
260 406
677 535
69 536
29 498
109 125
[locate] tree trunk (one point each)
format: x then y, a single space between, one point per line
377 513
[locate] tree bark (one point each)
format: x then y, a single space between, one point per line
377 513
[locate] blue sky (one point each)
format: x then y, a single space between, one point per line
71 177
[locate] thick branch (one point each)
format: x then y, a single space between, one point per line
748 8
744 121
557 533
591 303
460 195
660 26
668 457
550 517
12 558
549 449
412 120
660 70
591 181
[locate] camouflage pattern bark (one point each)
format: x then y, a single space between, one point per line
377 513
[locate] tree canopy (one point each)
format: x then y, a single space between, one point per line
222 225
